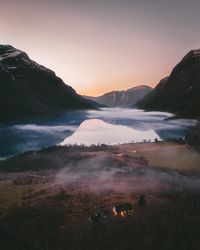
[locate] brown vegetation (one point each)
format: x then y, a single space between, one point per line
67 185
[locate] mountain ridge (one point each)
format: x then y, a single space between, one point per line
180 91
30 90
123 98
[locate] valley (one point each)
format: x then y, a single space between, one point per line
99 125
56 190
67 161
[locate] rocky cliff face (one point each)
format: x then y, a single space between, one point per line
180 92
29 90
123 98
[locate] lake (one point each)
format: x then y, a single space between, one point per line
108 126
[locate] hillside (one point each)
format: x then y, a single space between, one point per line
30 90
193 137
123 98
180 92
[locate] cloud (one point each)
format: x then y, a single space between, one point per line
141 120
44 129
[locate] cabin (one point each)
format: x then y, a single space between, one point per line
123 209
104 214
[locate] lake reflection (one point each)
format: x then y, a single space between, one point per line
96 131
107 125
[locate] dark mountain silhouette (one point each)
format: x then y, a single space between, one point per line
123 98
193 137
30 90
180 92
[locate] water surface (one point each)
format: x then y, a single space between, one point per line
96 131
18 138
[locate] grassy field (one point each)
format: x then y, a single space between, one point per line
166 155
12 195
53 215
162 155
170 221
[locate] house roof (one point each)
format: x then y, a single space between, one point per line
122 207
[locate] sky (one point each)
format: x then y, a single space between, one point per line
101 45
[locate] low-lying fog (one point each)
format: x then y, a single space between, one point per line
102 174
18 138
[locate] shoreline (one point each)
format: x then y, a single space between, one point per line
161 155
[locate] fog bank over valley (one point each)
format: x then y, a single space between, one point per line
146 126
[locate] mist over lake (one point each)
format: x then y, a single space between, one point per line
19 138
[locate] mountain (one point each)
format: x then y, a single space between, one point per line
193 137
30 90
122 98
180 92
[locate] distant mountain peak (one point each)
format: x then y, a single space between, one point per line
123 98
142 86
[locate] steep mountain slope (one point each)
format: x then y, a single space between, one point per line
122 98
193 137
29 90
180 92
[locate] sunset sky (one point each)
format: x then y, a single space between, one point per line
102 45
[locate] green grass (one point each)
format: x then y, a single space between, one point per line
168 155
11 194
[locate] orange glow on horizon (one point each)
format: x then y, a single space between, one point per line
101 46
101 91
99 88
